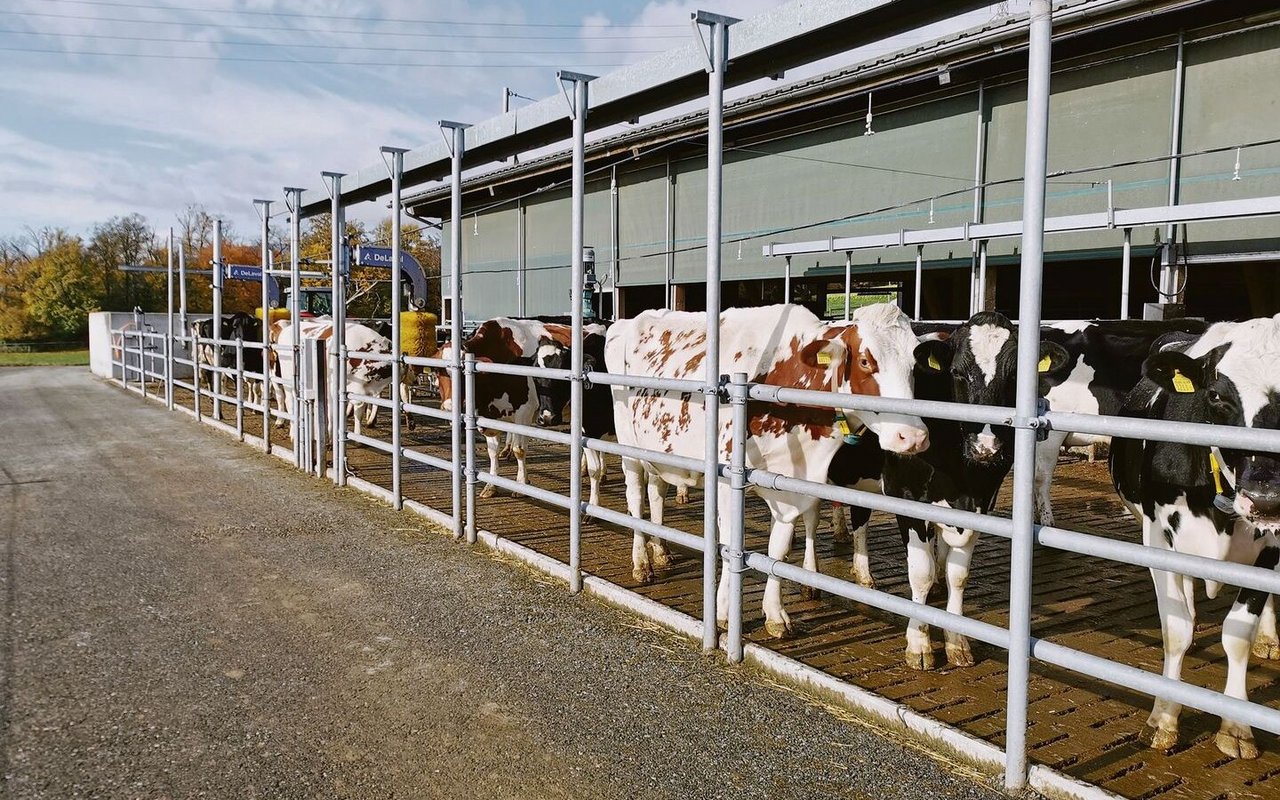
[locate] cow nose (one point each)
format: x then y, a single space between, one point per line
1265 501
911 440
544 418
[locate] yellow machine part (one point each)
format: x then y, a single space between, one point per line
418 333
276 313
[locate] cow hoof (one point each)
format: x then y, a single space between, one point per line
959 655
722 624
488 491
1236 745
865 581
682 496
810 593
1268 649
642 575
920 661
661 558
777 629
1160 739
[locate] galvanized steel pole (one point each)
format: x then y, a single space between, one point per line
457 142
1125 263
579 111
168 338
469 393
848 285
396 168
1027 411
982 276
293 201
919 278
338 342
736 516
216 377
718 61
264 211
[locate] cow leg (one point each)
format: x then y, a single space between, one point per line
1265 644
1176 606
595 473
633 476
921 572
858 519
281 403
505 452
491 441
517 449
405 396
1046 462
372 412
1236 738
839 524
959 546
659 555
776 622
810 518
682 495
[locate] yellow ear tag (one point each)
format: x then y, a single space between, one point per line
934 363
1182 384
1217 472
842 425
1044 364
824 357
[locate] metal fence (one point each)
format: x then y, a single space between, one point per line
147 356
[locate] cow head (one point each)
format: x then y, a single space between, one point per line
1236 369
552 393
980 362
873 355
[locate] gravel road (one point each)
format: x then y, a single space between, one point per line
186 617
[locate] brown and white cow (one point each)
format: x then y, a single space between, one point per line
783 345
363 377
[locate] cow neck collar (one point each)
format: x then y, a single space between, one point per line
850 435
1223 479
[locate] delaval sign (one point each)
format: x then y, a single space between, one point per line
244 272
381 257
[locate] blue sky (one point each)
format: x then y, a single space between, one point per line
222 116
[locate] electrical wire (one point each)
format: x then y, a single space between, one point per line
345 18
344 31
316 45
255 60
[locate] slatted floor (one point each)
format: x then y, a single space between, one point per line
1083 727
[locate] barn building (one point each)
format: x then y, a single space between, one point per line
898 143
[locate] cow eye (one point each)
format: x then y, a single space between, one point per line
865 363
1214 397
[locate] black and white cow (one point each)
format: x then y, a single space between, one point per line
1228 376
1104 362
963 469
597 405
234 326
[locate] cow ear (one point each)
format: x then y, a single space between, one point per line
933 356
822 353
1054 358
1175 372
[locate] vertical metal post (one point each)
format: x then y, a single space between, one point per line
396 169
337 345
264 210
719 30
521 260
457 142
848 285
579 110
240 388
1168 266
182 309
1125 262
982 276
669 217
786 281
168 338
217 317
469 392
293 201
919 278
735 516
615 240
1026 409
